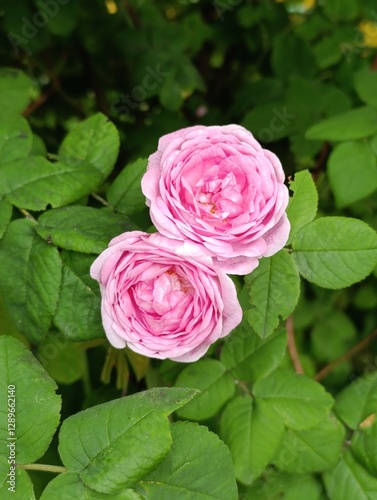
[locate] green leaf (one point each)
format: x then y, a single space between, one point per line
80 264
23 488
30 276
33 182
82 229
248 357
116 444
36 404
215 384
365 86
352 171
335 252
311 450
16 138
253 433
6 211
302 207
349 480
94 141
350 125
16 90
125 192
69 485
357 401
38 147
281 486
198 467
78 314
63 360
274 289
364 445
300 402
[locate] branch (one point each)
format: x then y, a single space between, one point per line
55 469
100 199
346 356
38 102
292 349
27 215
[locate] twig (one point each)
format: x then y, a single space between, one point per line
28 215
292 349
346 356
100 199
38 102
56 469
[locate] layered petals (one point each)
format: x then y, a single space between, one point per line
163 298
217 187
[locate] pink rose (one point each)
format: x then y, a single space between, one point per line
163 298
216 186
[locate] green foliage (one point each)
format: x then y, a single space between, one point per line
125 192
94 441
303 204
348 126
352 171
357 401
274 289
86 91
335 252
348 479
315 449
215 384
82 229
33 182
16 90
300 402
16 139
37 407
248 357
180 474
31 291
253 432
94 141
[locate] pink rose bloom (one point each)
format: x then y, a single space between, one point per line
163 298
216 186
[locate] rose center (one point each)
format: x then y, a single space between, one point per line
219 197
162 295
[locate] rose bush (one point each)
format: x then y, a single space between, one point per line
219 188
163 298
